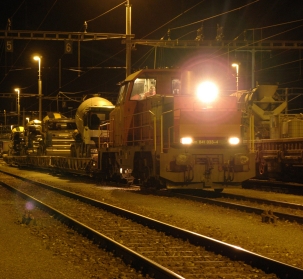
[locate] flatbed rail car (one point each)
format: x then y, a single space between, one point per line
280 159
72 165
278 136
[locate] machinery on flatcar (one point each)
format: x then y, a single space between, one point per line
33 138
278 136
58 136
92 119
64 144
166 131
5 134
52 136
16 141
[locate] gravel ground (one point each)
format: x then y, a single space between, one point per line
41 247
282 241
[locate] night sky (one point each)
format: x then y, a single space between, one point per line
103 62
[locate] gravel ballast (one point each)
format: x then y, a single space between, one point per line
282 241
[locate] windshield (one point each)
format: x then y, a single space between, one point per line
143 88
57 126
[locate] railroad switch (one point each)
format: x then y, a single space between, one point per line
268 217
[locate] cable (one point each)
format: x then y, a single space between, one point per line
173 19
28 41
275 25
47 14
199 21
106 12
100 62
279 65
17 9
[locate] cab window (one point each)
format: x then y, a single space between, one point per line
122 92
176 86
143 88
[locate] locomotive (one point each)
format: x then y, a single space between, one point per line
166 131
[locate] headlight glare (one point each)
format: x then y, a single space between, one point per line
234 140
186 140
207 92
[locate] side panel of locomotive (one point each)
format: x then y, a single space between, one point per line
155 112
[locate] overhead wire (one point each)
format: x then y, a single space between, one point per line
253 42
144 57
55 92
100 63
148 53
224 13
275 25
200 21
106 12
17 9
171 20
27 43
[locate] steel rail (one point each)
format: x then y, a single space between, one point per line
277 186
240 207
264 201
233 252
139 262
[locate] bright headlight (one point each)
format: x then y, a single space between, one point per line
233 140
186 140
207 92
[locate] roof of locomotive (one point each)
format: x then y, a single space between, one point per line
139 73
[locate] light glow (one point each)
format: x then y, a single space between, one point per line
237 71
186 140
207 92
233 140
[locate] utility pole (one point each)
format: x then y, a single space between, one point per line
18 104
38 58
128 39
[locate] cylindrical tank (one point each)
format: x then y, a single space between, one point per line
295 128
91 102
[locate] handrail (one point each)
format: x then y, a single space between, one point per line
166 112
102 132
141 126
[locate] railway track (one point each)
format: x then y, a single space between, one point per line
153 247
248 204
274 186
